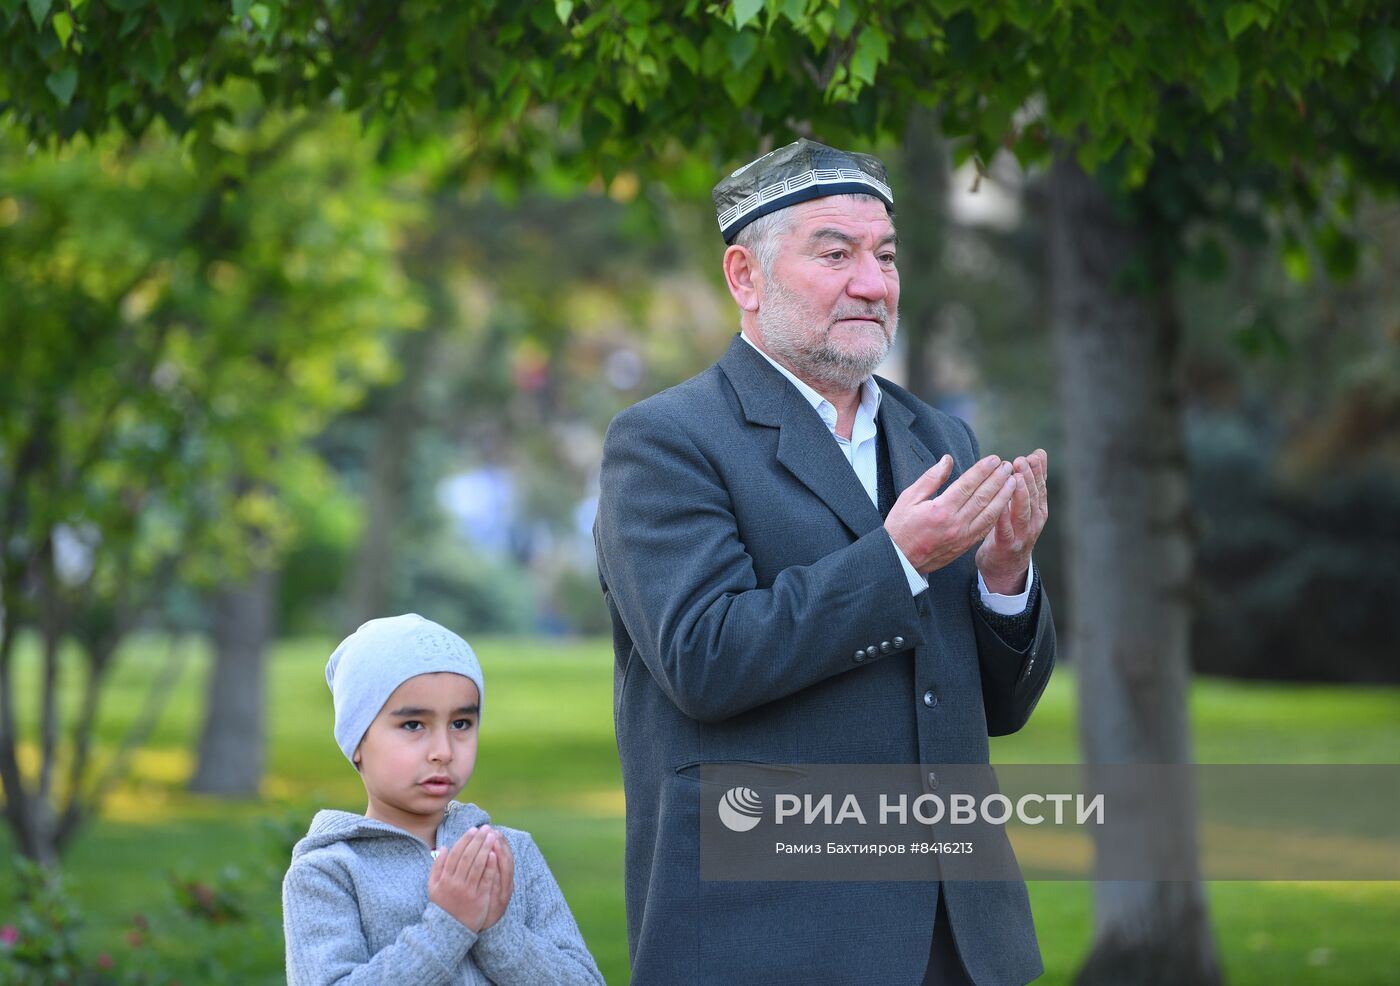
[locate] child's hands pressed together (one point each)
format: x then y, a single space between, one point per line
504 861
464 879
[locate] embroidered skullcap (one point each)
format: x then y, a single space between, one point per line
795 173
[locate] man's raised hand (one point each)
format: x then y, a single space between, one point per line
1005 556
932 533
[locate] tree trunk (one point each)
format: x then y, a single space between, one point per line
231 748
21 810
389 481
1129 552
20 807
51 623
922 218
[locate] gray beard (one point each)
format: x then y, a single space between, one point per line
785 321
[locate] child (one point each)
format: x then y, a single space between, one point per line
421 888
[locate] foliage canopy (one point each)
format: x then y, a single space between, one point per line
1289 89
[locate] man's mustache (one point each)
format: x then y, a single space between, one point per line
874 313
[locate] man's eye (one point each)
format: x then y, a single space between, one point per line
887 258
835 254
461 724
413 725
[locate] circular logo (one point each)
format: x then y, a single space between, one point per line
740 809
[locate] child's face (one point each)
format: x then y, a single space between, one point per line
421 748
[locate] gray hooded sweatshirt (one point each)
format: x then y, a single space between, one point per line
356 911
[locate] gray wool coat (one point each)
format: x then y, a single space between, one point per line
748 576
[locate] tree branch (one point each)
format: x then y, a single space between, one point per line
17 799
100 649
156 698
51 628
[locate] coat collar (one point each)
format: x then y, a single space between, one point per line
805 446
909 456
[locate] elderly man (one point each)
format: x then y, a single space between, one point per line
806 564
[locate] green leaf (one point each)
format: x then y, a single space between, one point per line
1124 59
742 46
1340 252
845 21
1341 45
745 11
741 86
172 12
872 49
118 93
1021 14
505 79
987 23
240 8
609 108
1238 18
260 15
1382 46
1222 79
62 84
39 9
515 105
63 27
152 59
563 9
685 51
164 50
1296 262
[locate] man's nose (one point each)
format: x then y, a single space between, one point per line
868 279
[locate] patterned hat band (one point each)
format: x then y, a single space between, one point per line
800 188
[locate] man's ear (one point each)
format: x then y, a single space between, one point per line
356 758
744 277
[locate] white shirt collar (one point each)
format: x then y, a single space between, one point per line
865 414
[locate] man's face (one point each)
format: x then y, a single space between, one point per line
829 306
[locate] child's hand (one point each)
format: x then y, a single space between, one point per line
505 881
464 878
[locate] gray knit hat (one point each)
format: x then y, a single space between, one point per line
795 173
379 657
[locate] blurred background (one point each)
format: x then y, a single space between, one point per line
343 372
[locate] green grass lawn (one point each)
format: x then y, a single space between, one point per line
548 764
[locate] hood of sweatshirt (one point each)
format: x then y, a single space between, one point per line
330 826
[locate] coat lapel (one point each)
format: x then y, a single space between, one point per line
909 457
805 446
